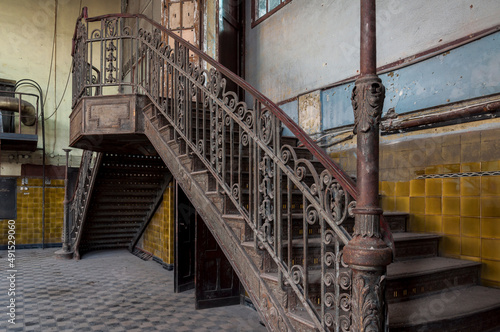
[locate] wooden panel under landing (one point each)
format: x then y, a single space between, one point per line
110 124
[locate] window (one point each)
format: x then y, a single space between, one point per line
262 9
180 16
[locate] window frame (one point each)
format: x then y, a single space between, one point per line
256 21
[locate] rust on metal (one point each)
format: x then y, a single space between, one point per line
27 112
461 113
367 254
295 201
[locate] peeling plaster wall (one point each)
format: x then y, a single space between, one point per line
310 112
467 72
27 30
310 44
210 22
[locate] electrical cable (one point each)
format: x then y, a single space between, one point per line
67 80
33 84
63 94
51 62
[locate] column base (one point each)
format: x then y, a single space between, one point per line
62 254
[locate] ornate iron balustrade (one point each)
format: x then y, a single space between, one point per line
81 197
235 132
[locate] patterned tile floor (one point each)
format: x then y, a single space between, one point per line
106 291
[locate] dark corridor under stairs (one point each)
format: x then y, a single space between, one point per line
280 212
127 190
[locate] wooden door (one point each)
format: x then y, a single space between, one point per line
216 282
184 259
231 35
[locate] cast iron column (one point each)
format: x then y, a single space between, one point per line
65 251
367 254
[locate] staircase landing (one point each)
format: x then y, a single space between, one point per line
110 124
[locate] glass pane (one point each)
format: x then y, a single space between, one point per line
262 8
273 4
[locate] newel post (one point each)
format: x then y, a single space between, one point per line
65 252
367 254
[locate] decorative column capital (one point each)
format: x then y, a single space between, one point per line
367 101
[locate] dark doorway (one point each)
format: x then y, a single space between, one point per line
216 282
185 223
231 32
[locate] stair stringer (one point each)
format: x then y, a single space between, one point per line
84 190
268 307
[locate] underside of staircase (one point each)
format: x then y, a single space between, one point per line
127 191
279 208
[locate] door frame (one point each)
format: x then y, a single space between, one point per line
178 288
241 43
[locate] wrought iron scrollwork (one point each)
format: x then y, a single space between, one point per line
110 33
81 196
235 133
266 206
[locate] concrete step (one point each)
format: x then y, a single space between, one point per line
472 308
419 277
415 245
397 221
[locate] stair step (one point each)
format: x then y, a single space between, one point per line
126 199
128 185
473 308
301 320
109 236
418 277
121 207
216 198
415 245
106 243
108 215
397 221
238 225
129 166
127 175
105 225
85 247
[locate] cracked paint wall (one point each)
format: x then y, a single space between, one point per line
467 72
310 44
310 112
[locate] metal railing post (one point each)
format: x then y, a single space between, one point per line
367 254
65 251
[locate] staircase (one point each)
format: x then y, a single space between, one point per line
126 191
279 207
426 292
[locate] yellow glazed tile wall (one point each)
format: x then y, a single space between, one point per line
158 237
464 210
29 212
